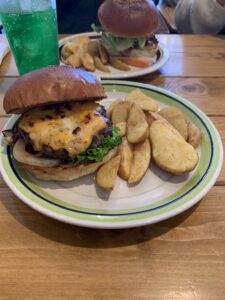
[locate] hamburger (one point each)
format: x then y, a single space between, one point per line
63 132
128 28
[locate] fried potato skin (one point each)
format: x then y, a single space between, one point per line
137 126
107 173
176 118
140 162
194 135
126 154
146 103
170 151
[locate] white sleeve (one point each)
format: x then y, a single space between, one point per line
199 16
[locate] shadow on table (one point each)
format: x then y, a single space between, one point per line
90 238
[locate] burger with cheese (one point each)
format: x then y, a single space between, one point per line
128 28
63 133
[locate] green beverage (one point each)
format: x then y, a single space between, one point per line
32 37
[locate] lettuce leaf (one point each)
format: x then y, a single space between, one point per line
117 44
97 154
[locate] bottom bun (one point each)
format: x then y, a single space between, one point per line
67 173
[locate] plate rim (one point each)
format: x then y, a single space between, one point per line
136 73
99 223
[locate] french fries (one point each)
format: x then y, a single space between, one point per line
126 154
169 149
140 162
145 102
137 126
106 175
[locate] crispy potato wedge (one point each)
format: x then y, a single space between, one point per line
125 152
92 48
140 162
100 66
169 149
149 118
73 60
118 64
176 118
88 62
122 127
120 112
71 47
111 106
107 173
137 126
65 54
145 102
103 54
194 135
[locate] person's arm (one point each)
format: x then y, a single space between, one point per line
194 16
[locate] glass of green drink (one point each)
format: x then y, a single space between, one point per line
31 29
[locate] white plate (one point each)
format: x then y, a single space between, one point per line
117 74
158 196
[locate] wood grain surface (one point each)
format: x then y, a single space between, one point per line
181 258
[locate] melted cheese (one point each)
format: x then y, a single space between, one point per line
70 128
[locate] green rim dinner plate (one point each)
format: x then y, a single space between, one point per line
158 196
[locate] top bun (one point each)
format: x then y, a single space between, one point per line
51 85
128 18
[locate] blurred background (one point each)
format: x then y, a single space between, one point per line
175 16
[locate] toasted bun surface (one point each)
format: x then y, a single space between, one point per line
67 173
128 18
51 85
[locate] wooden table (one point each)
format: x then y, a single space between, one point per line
181 258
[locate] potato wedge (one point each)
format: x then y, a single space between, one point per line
103 54
194 135
111 106
88 62
107 173
149 118
145 102
122 127
176 118
126 154
92 48
64 54
100 66
118 64
120 112
169 149
71 47
137 126
140 162
73 60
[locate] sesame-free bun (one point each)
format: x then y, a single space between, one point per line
128 18
49 85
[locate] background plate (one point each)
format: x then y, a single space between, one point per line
158 196
117 74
